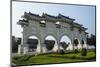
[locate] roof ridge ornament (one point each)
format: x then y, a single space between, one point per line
34 14
60 15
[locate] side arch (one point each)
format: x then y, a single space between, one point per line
25 45
76 43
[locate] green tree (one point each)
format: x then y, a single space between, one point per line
49 44
92 41
32 44
14 45
18 41
64 45
76 44
82 43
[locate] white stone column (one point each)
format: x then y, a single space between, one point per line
19 49
43 45
38 50
72 41
25 48
44 49
57 43
56 46
80 44
85 44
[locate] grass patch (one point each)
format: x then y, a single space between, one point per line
52 58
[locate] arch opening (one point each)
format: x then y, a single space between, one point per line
76 43
65 43
50 42
82 42
32 42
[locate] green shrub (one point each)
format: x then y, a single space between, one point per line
15 58
73 57
49 44
25 58
62 52
76 51
95 50
84 52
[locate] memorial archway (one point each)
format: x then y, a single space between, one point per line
31 26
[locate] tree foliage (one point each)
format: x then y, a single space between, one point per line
62 52
18 41
83 52
49 44
91 40
76 42
14 45
64 45
32 43
82 42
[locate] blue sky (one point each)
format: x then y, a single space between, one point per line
84 15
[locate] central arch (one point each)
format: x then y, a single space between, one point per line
65 39
51 43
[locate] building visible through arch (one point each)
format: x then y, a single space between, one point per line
42 26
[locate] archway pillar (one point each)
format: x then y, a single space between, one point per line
19 49
79 46
58 43
22 48
85 43
56 46
72 43
25 49
41 47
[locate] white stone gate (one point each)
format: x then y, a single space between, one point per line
42 26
